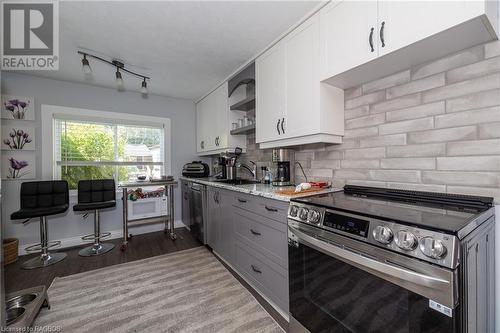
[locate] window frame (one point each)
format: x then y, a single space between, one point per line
50 112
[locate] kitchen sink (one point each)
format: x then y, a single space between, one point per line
237 181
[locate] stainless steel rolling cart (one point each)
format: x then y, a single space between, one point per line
168 217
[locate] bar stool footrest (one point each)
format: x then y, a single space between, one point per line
92 237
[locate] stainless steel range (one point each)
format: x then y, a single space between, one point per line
381 260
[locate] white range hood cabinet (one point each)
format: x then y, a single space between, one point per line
405 34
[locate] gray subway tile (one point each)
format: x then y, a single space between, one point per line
356 112
360 164
353 92
469 163
471 71
415 86
462 88
325 164
476 147
396 104
492 49
406 176
365 99
364 153
415 112
383 141
489 130
328 155
406 126
443 135
475 178
350 174
412 163
386 82
468 117
424 150
371 120
462 58
372 183
474 101
361 132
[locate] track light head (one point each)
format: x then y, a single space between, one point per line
119 80
144 87
85 65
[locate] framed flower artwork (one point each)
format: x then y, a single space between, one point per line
18 166
18 108
18 138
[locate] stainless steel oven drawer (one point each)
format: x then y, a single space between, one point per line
269 278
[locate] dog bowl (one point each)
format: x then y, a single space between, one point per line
20 301
13 314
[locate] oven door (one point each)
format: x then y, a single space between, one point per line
338 285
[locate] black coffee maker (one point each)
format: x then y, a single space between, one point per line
284 160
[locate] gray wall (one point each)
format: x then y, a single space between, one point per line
47 91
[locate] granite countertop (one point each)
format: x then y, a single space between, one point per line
261 190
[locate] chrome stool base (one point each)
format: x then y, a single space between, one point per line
43 260
96 249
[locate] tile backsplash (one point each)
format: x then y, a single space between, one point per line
434 127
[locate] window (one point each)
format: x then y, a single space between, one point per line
104 145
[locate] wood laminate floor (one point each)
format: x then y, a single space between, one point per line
140 247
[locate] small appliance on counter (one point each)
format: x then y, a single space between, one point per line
196 169
284 159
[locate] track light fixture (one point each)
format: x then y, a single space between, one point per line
85 65
120 67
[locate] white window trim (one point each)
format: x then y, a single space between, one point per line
50 112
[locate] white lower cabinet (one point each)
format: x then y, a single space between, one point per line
293 107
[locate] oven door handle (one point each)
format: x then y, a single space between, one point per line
395 273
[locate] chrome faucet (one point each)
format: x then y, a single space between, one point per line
252 170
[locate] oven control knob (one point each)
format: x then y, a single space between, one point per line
303 212
432 248
382 234
314 216
293 211
406 240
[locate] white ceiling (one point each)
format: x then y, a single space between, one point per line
186 47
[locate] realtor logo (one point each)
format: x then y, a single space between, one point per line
30 35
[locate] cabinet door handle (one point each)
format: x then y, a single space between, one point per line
370 39
270 209
382 33
278 126
255 269
255 232
202 145
242 200
283 126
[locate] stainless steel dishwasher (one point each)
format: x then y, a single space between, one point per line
197 194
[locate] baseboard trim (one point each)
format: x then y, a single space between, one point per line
77 240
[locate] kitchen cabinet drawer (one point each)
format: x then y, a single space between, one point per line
270 208
267 277
266 235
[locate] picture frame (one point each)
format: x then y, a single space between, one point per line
17 107
18 166
16 138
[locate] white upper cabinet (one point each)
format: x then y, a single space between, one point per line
293 106
348 35
405 33
213 124
270 94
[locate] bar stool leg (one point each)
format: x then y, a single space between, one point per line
45 259
98 247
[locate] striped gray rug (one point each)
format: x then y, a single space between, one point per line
187 291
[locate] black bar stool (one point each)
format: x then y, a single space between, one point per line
42 199
95 195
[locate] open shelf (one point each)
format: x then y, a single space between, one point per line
245 105
243 130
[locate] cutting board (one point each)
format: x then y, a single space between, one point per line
291 192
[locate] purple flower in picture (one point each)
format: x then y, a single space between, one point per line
15 168
17 108
18 139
